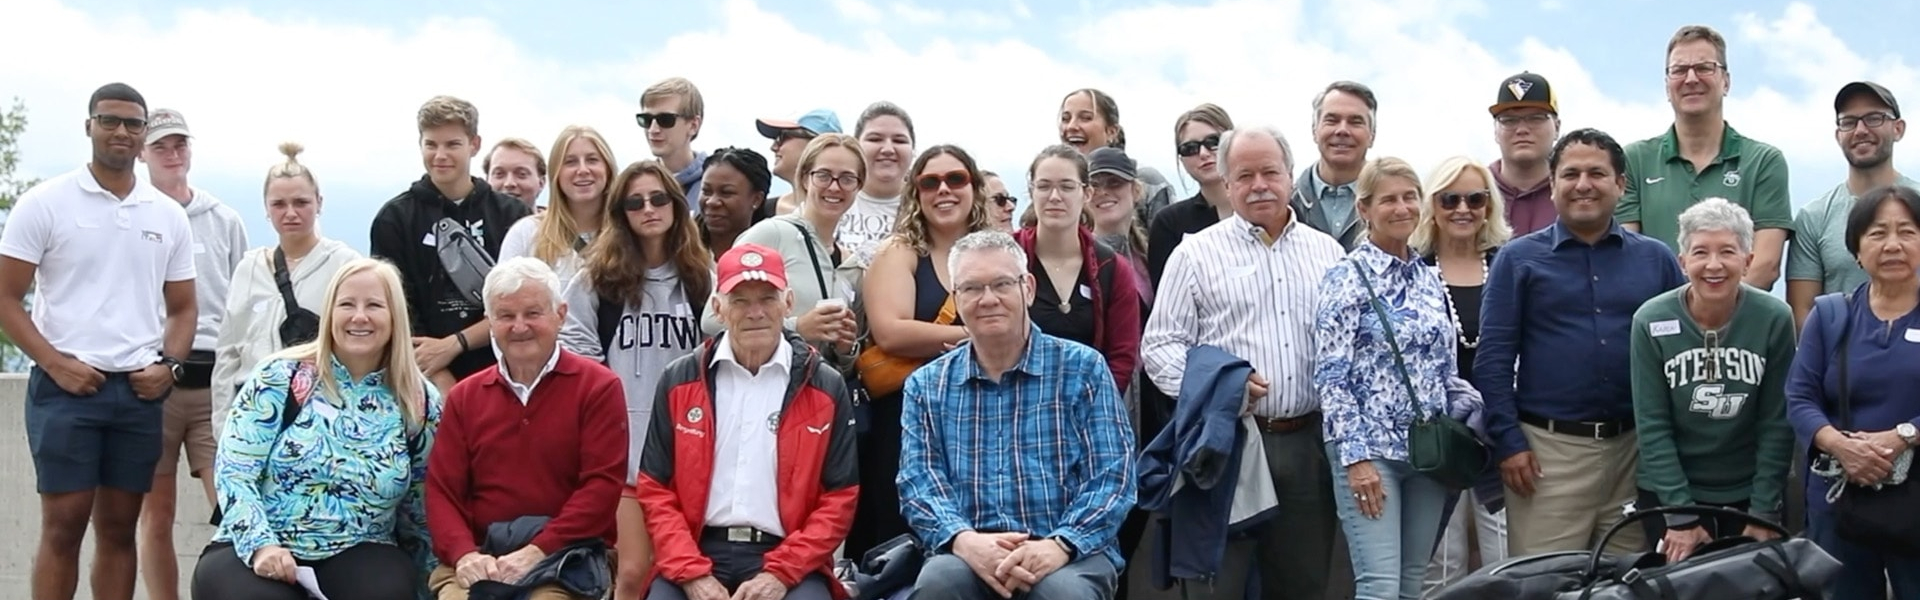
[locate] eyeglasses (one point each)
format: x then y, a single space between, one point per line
1515 121
634 203
1046 189
1192 147
666 120
1873 121
1701 70
1474 200
931 182
822 178
1002 287
110 122
1004 200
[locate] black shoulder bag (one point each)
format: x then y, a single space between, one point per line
301 325
1882 516
1438 446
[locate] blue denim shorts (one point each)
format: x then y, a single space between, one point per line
109 439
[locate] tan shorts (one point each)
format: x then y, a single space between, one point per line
187 421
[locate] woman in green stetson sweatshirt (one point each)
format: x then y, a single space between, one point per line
1710 362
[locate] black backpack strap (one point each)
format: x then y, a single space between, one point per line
606 315
284 279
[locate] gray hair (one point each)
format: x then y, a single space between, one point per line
1351 88
982 241
1228 138
1717 214
515 273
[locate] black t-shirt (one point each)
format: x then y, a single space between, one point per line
402 233
1075 323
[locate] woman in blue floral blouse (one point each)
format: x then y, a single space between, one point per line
1390 513
322 461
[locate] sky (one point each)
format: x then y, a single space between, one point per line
344 78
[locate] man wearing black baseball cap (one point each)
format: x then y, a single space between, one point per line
1526 117
1866 123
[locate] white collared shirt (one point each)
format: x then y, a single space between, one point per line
1227 288
523 392
747 407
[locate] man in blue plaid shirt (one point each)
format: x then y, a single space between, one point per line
1016 463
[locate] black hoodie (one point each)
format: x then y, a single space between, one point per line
403 234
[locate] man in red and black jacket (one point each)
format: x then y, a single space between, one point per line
748 478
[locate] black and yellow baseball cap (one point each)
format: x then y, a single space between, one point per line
1526 90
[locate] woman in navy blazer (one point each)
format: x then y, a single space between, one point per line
1883 345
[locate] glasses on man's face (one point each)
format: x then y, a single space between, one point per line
1701 70
1872 121
1516 121
635 203
1002 287
666 120
822 178
110 122
1474 200
954 180
1192 147
1004 200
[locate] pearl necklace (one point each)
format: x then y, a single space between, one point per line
1460 331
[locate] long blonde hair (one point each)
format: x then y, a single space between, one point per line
1494 231
403 371
557 229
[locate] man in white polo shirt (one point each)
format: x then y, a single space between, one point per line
111 258
219 240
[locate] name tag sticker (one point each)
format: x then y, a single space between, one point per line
323 410
1086 292
1237 272
427 241
1913 335
1663 328
261 306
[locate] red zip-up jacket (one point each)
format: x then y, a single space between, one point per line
819 476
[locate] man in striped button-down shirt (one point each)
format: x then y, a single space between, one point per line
1248 285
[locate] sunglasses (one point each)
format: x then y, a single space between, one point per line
1474 200
110 122
666 120
1192 147
1004 200
931 182
634 203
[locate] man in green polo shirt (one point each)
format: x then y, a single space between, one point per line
1701 156
1867 123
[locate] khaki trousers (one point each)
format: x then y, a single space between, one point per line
1584 483
446 587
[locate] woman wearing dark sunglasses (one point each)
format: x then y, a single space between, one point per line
733 196
1197 135
905 293
1462 224
650 260
1003 202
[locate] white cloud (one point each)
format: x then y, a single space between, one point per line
348 92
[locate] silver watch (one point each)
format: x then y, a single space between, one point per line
1906 432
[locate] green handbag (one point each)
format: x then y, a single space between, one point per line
1438 446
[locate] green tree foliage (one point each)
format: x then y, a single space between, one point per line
13 123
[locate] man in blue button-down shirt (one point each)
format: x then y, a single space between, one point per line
1561 301
1016 454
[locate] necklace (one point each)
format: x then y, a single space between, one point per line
1459 331
1054 273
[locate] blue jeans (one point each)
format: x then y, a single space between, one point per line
946 577
1390 553
1864 574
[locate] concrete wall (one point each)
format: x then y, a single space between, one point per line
20 517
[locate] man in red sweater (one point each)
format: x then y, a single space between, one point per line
748 479
544 434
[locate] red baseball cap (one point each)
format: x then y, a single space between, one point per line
752 262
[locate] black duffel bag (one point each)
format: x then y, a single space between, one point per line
1737 567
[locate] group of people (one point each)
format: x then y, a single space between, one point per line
889 355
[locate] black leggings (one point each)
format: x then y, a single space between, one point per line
365 572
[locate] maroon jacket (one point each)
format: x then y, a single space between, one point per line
1116 300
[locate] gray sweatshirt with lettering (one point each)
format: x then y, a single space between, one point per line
662 328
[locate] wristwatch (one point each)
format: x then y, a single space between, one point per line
179 369
1907 432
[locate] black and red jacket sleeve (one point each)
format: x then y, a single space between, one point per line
809 548
676 546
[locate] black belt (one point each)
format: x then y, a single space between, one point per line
1598 430
196 372
738 535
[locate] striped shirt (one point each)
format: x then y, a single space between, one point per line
1047 450
1226 287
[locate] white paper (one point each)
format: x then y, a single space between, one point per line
304 575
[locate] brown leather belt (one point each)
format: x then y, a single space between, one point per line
1273 425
